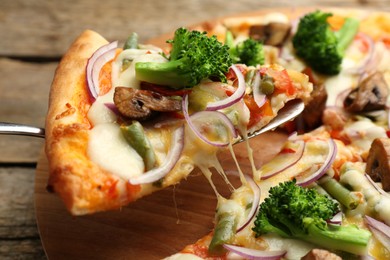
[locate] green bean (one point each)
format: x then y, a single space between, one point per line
223 233
346 197
135 136
131 42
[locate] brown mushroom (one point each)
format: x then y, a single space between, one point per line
273 33
378 162
311 117
140 104
320 254
370 95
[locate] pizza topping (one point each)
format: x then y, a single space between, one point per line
248 253
210 126
109 149
95 64
311 116
371 94
248 52
131 42
235 97
140 104
332 151
273 33
135 136
378 162
380 230
375 203
194 57
293 211
320 254
254 204
348 199
176 148
319 46
290 154
224 231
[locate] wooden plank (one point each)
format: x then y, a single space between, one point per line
46 28
24 95
18 229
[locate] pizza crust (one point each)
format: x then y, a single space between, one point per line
83 186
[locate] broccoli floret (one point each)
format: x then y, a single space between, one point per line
296 212
319 46
194 56
249 51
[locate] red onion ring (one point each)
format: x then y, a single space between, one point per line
113 108
255 203
292 159
207 114
177 144
95 63
237 95
380 230
376 187
259 97
249 253
336 219
325 166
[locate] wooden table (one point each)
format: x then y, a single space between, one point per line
34 36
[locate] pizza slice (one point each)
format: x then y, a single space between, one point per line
123 122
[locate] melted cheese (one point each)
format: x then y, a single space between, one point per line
110 150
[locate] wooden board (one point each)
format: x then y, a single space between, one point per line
152 228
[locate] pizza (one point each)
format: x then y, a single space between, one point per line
122 123
113 137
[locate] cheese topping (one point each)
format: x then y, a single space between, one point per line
110 150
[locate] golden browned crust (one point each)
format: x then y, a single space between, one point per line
84 187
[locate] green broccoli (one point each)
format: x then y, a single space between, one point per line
296 212
249 51
320 47
194 56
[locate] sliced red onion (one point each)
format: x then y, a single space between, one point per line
237 95
112 107
323 169
284 161
336 219
255 203
95 63
258 96
380 230
177 144
376 187
249 253
207 115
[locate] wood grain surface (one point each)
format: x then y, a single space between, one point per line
35 34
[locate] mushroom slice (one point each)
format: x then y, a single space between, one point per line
140 104
378 162
320 254
370 95
311 116
273 33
